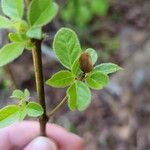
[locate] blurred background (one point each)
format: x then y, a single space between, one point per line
119 116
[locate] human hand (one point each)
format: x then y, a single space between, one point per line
25 136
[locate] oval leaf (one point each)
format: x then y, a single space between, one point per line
23 114
79 96
97 80
76 70
41 12
67 47
16 37
9 115
10 52
34 109
5 23
107 68
61 79
13 9
35 32
18 94
93 54
72 97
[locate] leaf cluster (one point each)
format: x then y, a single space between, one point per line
82 11
25 107
22 31
80 74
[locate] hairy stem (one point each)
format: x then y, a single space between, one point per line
58 107
37 61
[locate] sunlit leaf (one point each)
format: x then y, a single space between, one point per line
97 80
107 68
34 109
79 96
9 115
13 8
10 52
5 22
41 12
61 79
66 46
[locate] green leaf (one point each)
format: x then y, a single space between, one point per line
66 46
76 70
79 96
9 115
10 52
107 68
23 113
72 97
97 80
34 109
35 32
41 12
61 79
26 94
21 26
17 94
16 37
13 9
100 7
5 23
93 55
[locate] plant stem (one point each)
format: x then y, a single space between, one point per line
60 105
37 61
64 100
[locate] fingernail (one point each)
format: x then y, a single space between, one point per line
41 143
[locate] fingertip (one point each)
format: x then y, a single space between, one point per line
42 143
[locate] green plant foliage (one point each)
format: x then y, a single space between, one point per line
26 94
5 22
66 46
14 113
78 10
16 37
93 54
10 52
41 12
81 73
22 113
34 109
79 96
61 79
18 94
13 9
82 11
97 80
75 69
99 7
9 115
69 53
107 68
35 32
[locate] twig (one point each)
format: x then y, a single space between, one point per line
37 61
60 105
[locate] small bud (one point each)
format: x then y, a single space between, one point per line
86 62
